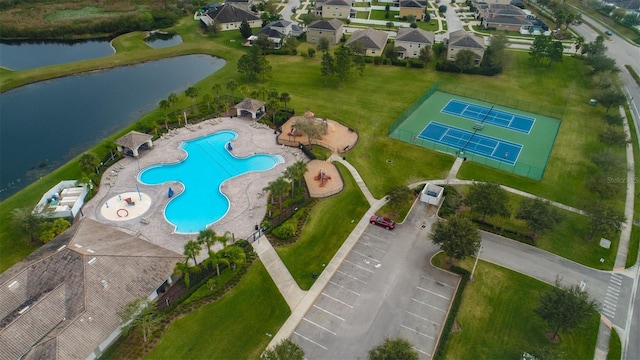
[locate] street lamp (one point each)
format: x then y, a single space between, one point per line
476 262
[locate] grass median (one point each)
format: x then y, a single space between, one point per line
330 223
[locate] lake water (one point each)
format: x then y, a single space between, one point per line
23 56
159 40
46 124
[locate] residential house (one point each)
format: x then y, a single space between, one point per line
62 301
277 32
412 7
331 29
334 9
241 4
410 41
462 40
229 17
374 41
503 17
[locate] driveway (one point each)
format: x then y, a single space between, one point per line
385 287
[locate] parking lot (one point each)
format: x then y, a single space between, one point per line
384 288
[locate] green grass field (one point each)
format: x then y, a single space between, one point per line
380 15
497 321
536 145
330 223
234 327
86 12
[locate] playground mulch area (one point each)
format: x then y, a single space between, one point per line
536 144
339 138
332 186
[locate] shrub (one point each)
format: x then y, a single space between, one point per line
285 231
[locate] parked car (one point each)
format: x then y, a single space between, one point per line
608 32
383 222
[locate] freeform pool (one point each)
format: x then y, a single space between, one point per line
209 163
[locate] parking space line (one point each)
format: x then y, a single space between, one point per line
417 332
356 265
351 276
328 312
429 305
342 287
434 293
377 237
341 302
309 340
423 318
420 351
364 255
320 326
437 282
369 245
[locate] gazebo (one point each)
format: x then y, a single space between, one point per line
133 141
252 106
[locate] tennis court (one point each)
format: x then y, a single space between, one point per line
463 140
489 115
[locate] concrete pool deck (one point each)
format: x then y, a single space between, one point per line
248 202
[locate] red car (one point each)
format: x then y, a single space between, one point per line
383 221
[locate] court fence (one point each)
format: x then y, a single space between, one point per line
520 168
412 108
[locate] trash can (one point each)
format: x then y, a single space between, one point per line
593 102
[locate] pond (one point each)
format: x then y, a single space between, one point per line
158 40
23 55
46 124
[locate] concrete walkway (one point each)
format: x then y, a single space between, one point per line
356 176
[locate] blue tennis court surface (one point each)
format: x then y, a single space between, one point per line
496 149
490 116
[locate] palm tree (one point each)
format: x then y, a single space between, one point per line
285 98
191 92
226 238
244 90
164 105
301 168
207 99
217 88
290 173
172 99
89 162
263 91
278 188
578 43
182 268
216 259
273 94
236 256
232 85
207 237
192 249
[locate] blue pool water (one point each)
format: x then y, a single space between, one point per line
208 164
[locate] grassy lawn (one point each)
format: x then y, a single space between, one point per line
362 15
636 158
380 15
234 327
330 223
497 320
84 13
634 243
569 166
615 346
430 26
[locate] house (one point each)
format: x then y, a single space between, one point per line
409 41
334 9
62 201
229 17
462 40
374 41
412 7
62 301
331 29
503 17
241 4
277 32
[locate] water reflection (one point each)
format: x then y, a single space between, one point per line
158 40
31 55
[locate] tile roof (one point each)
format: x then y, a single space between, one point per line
415 35
333 24
250 104
74 288
229 14
372 39
464 39
133 139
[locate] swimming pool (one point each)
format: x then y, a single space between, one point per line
209 163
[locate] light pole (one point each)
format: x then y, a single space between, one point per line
476 262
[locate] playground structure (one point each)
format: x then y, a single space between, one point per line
129 201
323 177
331 134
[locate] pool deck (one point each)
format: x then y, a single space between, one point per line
248 203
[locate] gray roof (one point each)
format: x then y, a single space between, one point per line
250 104
464 39
415 35
337 3
372 39
280 23
133 139
333 24
73 287
510 20
412 4
229 14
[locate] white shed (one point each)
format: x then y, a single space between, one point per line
432 194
